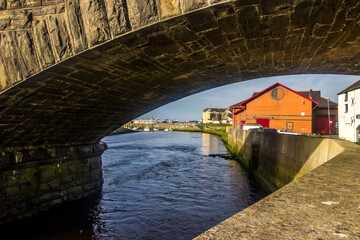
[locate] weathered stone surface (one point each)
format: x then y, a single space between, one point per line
13 4
168 8
300 16
4 81
44 10
142 13
118 16
2 4
59 36
95 21
42 43
15 20
75 23
18 55
189 5
43 180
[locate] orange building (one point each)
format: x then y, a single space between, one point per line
280 107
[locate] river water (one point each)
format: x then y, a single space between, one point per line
158 185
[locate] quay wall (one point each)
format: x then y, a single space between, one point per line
321 204
277 159
37 179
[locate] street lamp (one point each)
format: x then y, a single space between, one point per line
328 100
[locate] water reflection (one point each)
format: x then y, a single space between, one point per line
157 186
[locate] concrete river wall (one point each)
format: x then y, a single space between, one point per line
278 159
319 195
37 179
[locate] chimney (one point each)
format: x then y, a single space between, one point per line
310 94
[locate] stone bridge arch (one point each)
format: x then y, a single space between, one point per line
71 71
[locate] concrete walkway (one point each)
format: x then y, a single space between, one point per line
323 204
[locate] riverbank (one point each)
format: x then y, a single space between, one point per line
320 202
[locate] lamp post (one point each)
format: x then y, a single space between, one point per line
328 100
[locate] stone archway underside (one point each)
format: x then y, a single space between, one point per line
59 94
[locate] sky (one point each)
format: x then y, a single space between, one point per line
191 107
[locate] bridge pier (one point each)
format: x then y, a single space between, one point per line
37 179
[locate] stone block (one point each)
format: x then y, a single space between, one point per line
94 17
142 13
276 6
169 8
18 54
189 5
249 20
49 196
4 80
215 37
202 21
14 4
279 26
76 25
28 190
47 173
49 186
51 204
2 4
12 191
59 36
15 20
75 193
117 13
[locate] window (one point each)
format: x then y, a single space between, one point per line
346 108
346 97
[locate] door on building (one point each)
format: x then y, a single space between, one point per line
322 124
357 139
263 121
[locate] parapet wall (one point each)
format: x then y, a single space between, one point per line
35 180
278 159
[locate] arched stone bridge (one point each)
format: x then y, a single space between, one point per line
71 71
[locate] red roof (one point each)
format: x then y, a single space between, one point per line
242 105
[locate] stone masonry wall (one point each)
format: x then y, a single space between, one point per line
74 71
35 180
36 34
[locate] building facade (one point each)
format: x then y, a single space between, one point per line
349 113
282 108
217 115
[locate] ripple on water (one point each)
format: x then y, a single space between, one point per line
160 185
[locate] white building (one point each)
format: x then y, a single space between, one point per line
349 113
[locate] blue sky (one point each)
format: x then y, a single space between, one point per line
191 107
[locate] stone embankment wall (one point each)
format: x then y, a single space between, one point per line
322 204
35 180
278 159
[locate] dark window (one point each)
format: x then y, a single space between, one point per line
346 108
346 97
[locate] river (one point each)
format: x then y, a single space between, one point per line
158 185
